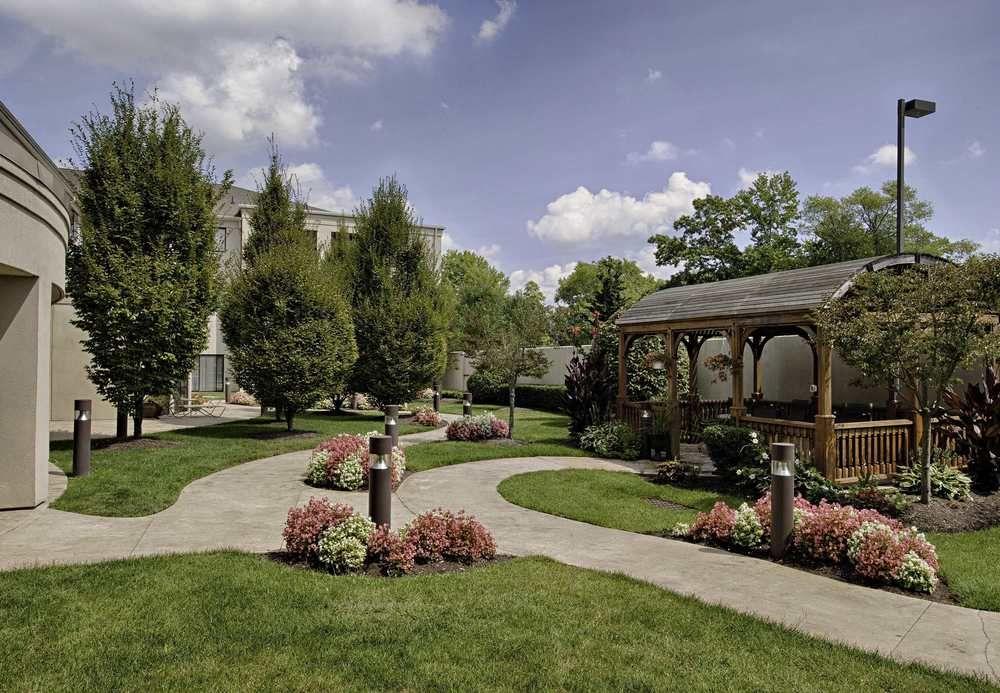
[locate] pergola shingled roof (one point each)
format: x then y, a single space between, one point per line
789 291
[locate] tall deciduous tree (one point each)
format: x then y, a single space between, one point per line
863 224
400 306
509 350
918 326
287 325
602 288
143 275
707 251
479 291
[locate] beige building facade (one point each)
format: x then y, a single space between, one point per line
34 234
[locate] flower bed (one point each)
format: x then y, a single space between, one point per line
877 548
427 417
482 427
342 462
335 538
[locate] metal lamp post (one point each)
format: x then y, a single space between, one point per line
782 496
437 397
646 430
914 108
81 437
467 404
380 480
392 423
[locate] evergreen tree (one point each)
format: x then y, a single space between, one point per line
399 304
143 276
287 325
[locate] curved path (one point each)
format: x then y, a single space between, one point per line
244 508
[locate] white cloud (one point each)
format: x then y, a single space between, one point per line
448 242
258 92
489 251
884 156
976 149
377 125
547 279
728 143
759 133
222 60
491 28
646 260
444 105
659 150
653 75
582 216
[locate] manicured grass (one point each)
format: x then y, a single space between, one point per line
541 434
237 622
454 406
610 499
970 561
142 481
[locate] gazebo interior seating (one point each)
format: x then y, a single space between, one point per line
846 441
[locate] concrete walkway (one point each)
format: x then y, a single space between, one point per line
244 508
105 428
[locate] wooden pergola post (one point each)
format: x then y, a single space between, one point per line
670 345
824 446
737 410
622 370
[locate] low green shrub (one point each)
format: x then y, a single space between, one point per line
676 472
732 447
614 440
946 481
487 388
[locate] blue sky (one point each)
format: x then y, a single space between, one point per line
543 133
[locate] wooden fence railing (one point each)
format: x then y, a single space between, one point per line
872 447
694 412
802 434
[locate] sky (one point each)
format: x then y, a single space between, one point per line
542 133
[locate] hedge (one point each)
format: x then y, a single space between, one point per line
486 390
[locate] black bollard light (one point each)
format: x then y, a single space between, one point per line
225 392
467 404
81 437
437 397
392 423
782 496
380 480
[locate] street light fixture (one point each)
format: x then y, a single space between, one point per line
914 108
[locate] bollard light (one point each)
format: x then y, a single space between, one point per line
81 437
437 397
392 423
782 496
380 480
467 404
645 431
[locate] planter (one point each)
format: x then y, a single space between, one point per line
151 410
659 447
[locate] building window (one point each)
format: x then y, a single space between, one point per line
220 240
209 374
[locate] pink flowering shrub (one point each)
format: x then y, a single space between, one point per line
427 417
391 550
440 535
242 397
343 462
877 547
715 526
482 427
306 524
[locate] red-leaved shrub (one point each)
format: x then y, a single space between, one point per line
822 533
305 524
716 525
482 427
391 550
440 534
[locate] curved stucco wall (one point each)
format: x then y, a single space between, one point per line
34 232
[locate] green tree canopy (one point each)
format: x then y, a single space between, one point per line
863 224
479 291
706 250
143 274
400 303
592 292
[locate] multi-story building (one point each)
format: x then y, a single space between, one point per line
210 373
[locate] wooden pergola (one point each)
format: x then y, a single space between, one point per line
751 311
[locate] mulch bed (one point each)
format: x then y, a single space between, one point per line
940 515
113 445
373 570
275 435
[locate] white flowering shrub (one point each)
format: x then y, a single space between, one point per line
680 530
916 574
344 546
316 469
747 532
350 474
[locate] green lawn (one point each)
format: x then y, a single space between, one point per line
135 482
970 561
609 499
454 406
232 621
542 433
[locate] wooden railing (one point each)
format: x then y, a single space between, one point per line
875 448
800 433
695 412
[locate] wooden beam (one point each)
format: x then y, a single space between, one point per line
670 344
825 451
623 340
736 344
